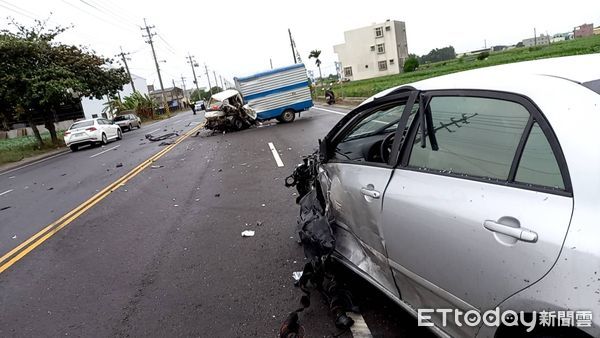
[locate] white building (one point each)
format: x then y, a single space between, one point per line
537 41
376 50
93 108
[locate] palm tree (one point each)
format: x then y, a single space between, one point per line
315 54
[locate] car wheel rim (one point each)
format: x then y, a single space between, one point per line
287 116
104 139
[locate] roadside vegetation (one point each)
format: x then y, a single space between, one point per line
16 149
366 88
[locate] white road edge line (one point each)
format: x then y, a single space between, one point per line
102 152
6 192
329 110
359 329
276 155
33 163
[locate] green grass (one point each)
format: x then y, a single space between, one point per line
16 149
368 87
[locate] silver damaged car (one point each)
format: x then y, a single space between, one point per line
475 191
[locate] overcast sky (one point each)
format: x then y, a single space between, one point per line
236 38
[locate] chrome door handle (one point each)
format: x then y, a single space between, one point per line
370 192
524 235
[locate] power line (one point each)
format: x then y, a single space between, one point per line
18 10
115 24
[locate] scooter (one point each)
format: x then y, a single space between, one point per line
329 97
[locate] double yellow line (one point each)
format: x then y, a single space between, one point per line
34 241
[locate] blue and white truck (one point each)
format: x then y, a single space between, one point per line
278 93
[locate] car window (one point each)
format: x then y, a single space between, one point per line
119 118
381 121
593 85
82 124
476 136
538 164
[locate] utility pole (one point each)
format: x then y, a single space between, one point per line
184 89
216 82
222 85
149 41
127 67
194 64
208 78
292 44
271 61
534 37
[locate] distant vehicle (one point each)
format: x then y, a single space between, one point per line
475 191
200 105
128 121
277 93
91 132
226 110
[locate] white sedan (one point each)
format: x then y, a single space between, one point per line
90 132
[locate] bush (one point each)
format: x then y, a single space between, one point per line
411 64
483 55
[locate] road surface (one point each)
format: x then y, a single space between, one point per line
162 254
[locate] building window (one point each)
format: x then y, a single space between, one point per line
391 61
372 48
366 66
379 32
348 71
380 48
387 28
382 65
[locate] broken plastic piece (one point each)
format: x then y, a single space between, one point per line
248 233
297 275
119 165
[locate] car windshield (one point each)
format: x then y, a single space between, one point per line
593 85
120 118
82 124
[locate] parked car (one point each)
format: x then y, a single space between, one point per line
91 132
475 191
200 105
128 121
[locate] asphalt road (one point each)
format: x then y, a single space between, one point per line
163 254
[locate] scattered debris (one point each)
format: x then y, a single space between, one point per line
156 166
248 233
51 188
166 143
12 177
263 205
162 137
217 195
175 205
220 170
4 208
119 165
142 143
14 237
63 175
297 275
259 223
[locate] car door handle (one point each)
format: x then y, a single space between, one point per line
367 191
524 235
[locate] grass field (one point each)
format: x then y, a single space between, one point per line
365 88
16 149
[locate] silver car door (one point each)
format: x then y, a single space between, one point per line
484 215
356 178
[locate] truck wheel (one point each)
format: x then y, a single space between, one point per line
237 123
287 116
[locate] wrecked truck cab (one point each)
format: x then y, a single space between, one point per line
226 111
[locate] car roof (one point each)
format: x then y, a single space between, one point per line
515 77
225 94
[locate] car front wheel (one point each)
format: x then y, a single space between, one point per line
104 139
120 134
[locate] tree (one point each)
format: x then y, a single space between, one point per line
437 55
44 75
198 95
315 54
411 64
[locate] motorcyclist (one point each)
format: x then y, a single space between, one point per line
329 96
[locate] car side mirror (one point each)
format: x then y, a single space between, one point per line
323 150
